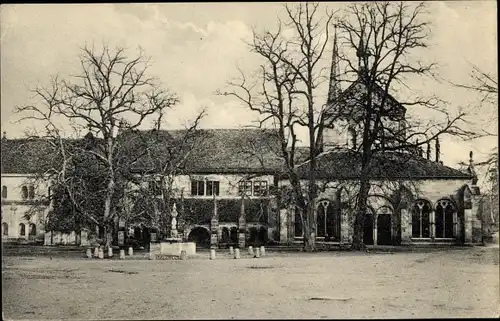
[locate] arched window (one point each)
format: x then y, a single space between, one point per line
5 228
31 193
351 137
24 192
32 231
22 229
420 222
4 191
445 219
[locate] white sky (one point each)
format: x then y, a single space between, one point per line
196 48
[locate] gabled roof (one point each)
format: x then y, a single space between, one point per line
26 156
346 164
349 100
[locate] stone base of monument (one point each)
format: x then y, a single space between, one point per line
173 248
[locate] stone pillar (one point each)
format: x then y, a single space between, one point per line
47 238
283 225
432 222
242 225
468 226
344 227
405 226
476 223
375 219
214 227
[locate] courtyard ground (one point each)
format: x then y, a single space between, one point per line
455 282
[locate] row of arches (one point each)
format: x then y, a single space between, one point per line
21 229
383 225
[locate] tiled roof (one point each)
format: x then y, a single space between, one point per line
215 150
391 165
229 151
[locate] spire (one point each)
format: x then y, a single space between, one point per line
334 88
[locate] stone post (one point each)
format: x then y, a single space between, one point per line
96 252
183 255
236 253
110 251
250 250
101 253
257 253
262 251
214 227
84 238
405 226
89 253
122 254
130 251
212 254
242 225
231 250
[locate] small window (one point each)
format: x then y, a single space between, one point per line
245 187
22 229
260 188
31 193
5 228
197 188
24 192
213 188
4 191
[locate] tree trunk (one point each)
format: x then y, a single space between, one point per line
361 207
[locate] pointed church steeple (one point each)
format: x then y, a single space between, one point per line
334 87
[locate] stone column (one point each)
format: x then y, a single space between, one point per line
432 222
375 219
476 223
242 225
344 227
214 227
405 226
283 213
468 225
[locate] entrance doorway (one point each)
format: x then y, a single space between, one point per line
384 229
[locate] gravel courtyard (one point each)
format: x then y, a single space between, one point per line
435 283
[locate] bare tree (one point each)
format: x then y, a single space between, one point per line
112 93
286 95
386 38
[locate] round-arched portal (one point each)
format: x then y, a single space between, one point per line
200 236
384 226
368 227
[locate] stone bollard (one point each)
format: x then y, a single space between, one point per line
152 256
250 250
96 252
231 250
130 251
122 254
110 252
184 255
212 254
89 253
236 253
257 253
262 250
101 253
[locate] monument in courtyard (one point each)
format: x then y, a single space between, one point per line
173 245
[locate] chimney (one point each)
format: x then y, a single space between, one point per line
438 150
428 151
